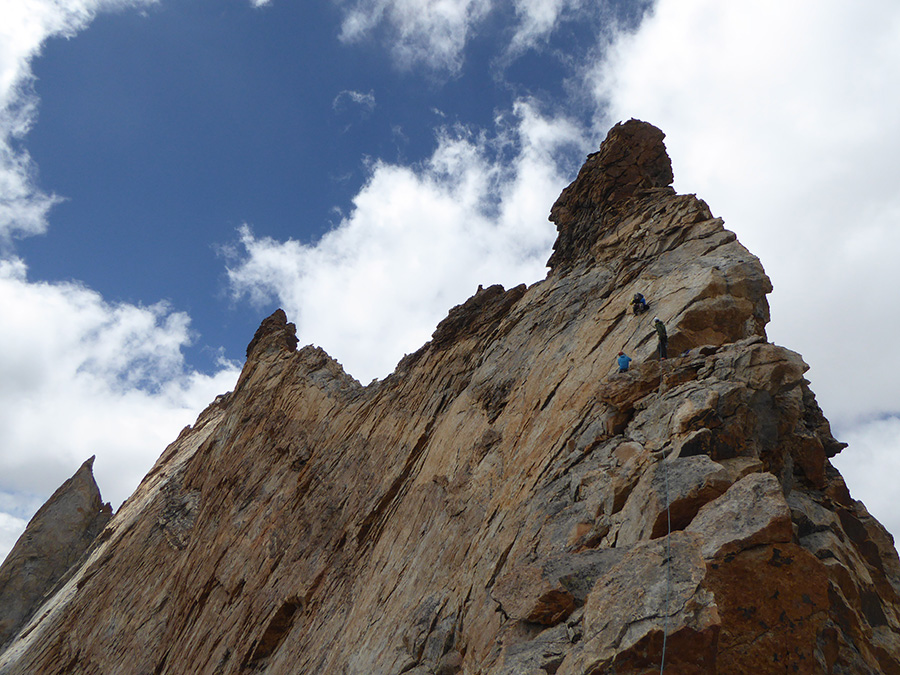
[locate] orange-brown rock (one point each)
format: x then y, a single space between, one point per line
502 503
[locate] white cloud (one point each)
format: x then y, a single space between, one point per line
82 377
364 101
537 20
875 457
10 530
418 241
784 119
433 33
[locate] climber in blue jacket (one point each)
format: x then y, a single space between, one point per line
623 361
638 304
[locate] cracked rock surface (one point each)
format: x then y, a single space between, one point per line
506 501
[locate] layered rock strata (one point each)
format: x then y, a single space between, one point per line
506 502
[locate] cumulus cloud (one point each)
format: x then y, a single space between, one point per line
81 377
418 241
435 34
431 33
537 19
784 120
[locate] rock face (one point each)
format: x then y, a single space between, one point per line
58 535
506 502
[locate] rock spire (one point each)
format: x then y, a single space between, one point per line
54 540
631 163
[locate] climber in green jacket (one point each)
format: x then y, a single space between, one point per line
663 337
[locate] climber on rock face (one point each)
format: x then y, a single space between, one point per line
623 361
662 347
639 304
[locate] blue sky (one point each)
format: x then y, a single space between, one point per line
165 130
172 171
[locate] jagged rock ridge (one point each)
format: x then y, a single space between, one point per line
502 503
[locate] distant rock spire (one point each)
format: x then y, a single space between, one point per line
55 538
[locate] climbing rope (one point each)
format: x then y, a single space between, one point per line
668 564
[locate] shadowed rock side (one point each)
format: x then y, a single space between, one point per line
57 536
501 503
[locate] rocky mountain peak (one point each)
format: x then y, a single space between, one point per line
632 160
273 333
508 501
